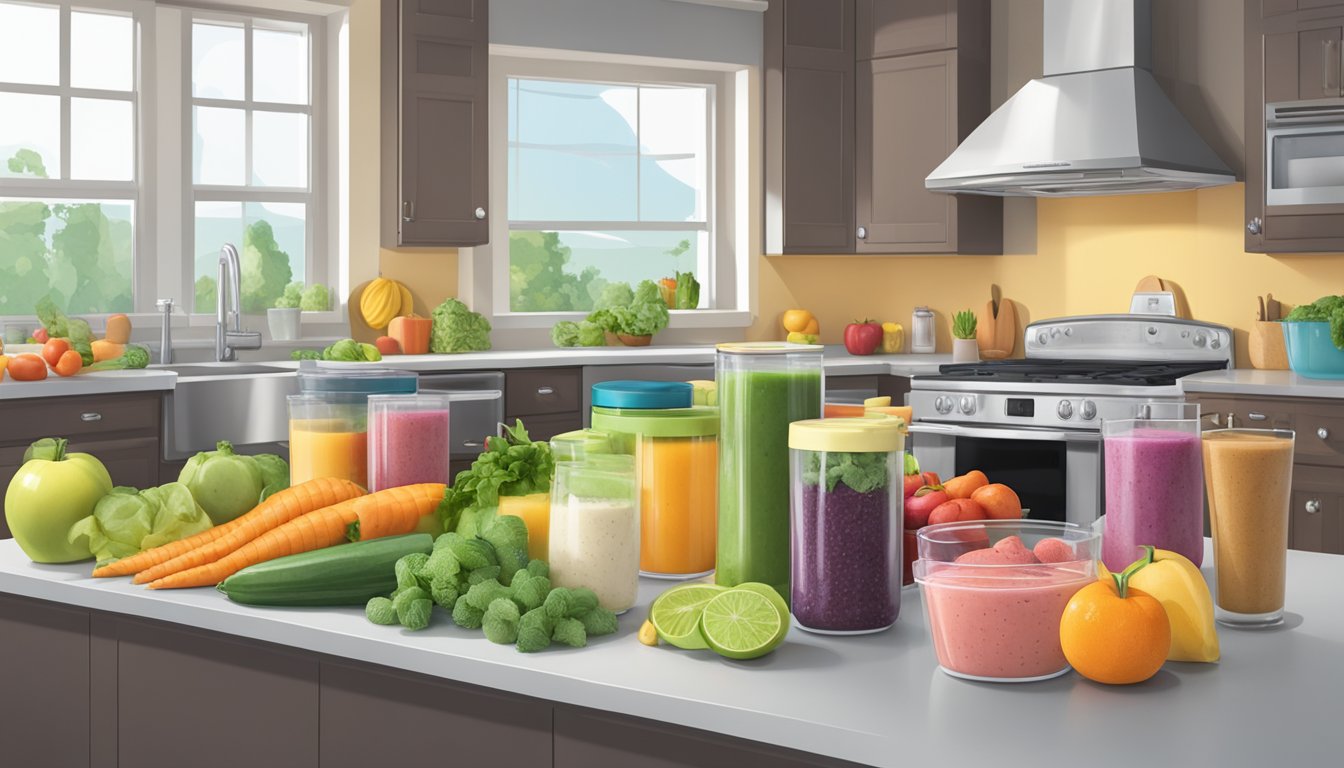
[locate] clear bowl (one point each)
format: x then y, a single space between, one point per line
1311 353
1000 622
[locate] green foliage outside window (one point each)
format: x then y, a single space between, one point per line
538 281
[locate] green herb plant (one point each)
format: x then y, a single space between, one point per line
512 465
1327 309
963 325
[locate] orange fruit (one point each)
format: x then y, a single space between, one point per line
962 487
999 501
1115 634
796 320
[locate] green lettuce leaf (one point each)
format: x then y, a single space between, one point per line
126 522
863 472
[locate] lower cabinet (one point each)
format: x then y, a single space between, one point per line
44 684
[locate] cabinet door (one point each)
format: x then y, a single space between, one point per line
44 663
810 126
897 27
435 63
1316 512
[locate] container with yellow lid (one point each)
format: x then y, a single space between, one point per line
846 477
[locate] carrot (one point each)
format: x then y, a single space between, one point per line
388 512
276 510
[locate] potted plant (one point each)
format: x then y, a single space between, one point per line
964 347
284 317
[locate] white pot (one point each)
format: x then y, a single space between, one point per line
284 323
965 351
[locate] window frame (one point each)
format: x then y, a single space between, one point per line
727 282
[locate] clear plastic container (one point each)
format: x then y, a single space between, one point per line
328 437
763 387
847 477
408 439
675 446
995 616
574 446
594 528
1154 470
355 379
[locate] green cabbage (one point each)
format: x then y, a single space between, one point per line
585 333
641 312
315 298
457 329
227 484
126 522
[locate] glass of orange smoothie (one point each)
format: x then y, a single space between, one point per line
1248 474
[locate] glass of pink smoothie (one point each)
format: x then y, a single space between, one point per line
408 439
994 616
1154 467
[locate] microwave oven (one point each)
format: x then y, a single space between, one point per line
1304 152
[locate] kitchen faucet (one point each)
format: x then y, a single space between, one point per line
228 339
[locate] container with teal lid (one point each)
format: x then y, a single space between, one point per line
762 387
594 528
846 506
675 445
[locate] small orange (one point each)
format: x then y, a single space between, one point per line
1000 501
963 486
1114 634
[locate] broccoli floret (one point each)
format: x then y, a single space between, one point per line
488 573
570 632
508 535
379 610
481 595
501 621
444 592
472 553
442 565
581 601
408 568
530 591
416 615
466 615
534 631
599 621
558 603
539 568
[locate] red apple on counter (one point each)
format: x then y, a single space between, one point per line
387 346
919 505
862 337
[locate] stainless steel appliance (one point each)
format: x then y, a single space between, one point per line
1035 423
1304 152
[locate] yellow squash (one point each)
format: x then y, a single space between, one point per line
383 300
1180 587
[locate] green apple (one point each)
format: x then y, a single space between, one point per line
52 491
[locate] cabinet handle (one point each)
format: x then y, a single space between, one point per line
1325 66
862 233
1254 226
545 391
480 214
408 210
1313 506
1323 433
1231 421
471 443
91 416
1255 416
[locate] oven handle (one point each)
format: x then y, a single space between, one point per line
1006 433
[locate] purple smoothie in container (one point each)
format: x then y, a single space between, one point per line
846 523
1154 490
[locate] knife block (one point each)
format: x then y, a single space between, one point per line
1266 347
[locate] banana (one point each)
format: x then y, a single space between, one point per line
1180 587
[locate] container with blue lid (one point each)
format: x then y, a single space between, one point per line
675 445
357 380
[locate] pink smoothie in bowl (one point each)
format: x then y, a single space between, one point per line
993 613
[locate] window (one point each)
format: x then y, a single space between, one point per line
609 172
68 156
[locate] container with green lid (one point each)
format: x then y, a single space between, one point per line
575 445
846 498
594 528
675 445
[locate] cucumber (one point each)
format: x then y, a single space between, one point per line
346 574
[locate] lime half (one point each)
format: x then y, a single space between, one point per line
676 614
743 624
773 596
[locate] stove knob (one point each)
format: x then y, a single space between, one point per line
1215 342
1054 333
967 404
1065 409
1088 410
943 404
1068 331
1199 339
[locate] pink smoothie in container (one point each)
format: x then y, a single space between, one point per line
994 612
408 440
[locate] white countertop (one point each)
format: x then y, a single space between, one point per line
92 383
880 700
1251 381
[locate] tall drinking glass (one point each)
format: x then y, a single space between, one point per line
1154 484
1249 474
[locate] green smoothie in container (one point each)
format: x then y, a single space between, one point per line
763 387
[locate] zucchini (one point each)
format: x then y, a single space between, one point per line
346 574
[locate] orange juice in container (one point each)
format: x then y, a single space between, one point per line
328 419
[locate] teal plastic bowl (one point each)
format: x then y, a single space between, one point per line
1311 353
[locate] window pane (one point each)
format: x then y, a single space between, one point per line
672 136
279 149
216 224
31 50
216 61
280 66
218 146
78 252
101 141
101 48
566 271
272 240
30 135
574 157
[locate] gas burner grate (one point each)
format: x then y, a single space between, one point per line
1143 373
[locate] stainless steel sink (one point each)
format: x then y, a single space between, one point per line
239 402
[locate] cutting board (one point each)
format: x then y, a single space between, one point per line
996 332
359 330
1155 284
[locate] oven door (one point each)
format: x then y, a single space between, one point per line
1057 473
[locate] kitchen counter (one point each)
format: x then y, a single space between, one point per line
876 699
94 383
1251 381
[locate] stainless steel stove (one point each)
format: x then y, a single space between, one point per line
1035 423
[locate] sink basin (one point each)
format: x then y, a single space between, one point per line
243 403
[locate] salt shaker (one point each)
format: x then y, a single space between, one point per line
921 331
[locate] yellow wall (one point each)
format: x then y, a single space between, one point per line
1090 253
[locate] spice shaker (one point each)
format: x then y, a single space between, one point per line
921 331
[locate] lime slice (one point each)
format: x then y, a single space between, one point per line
742 624
676 614
773 596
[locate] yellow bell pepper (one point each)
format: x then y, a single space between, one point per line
893 338
1179 586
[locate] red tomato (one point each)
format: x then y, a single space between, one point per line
27 367
863 338
40 336
1000 501
69 364
918 507
53 349
387 346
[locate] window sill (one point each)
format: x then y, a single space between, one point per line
680 318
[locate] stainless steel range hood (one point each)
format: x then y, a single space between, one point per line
1097 123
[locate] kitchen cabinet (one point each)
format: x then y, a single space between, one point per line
865 134
435 179
122 430
44 707
1294 52
546 399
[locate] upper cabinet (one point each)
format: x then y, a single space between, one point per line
435 185
1294 178
863 99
